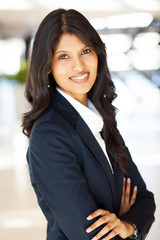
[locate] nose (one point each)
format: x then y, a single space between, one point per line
77 64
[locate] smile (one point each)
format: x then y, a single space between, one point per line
80 77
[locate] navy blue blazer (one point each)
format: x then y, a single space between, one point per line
72 177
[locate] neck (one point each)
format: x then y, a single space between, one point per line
82 100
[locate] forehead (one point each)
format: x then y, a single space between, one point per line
69 41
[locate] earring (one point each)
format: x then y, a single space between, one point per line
104 95
48 82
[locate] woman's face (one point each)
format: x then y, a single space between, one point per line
74 67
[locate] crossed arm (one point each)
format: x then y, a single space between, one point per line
57 176
112 223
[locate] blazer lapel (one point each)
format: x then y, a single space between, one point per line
73 118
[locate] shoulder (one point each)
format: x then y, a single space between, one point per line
51 127
49 119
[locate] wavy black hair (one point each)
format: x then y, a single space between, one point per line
54 25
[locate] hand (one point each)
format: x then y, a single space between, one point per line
113 225
127 200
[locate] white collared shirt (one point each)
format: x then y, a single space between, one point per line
91 117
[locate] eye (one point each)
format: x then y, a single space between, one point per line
64 56
86 51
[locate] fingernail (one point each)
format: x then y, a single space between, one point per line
88 230
135 188
128 180
95 238
89 217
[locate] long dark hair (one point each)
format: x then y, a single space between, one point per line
102 93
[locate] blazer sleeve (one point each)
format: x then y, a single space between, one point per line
142 212
53 164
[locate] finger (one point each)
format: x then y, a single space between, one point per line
101 233
110 226
96 224
99 212
123 190
124 185
109 217
127 191
114 233
134 195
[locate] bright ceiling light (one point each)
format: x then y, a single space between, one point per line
146 40
118 62
147 5
98 23
117 42
131 20
145 60
16 5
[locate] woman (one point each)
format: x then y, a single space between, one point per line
77 159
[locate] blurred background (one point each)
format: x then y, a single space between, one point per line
131 31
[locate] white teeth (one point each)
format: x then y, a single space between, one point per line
81 77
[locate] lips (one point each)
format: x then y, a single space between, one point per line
80 78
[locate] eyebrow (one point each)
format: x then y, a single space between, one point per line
60 52
64 51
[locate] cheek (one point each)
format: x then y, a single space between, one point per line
60 68
59 73
57 70
94 62
94 66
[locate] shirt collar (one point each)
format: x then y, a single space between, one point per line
89 113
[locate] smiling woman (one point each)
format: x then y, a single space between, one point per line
74 67
78 161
